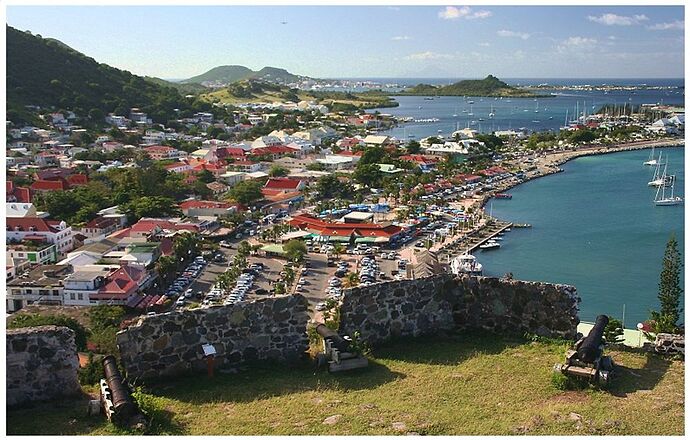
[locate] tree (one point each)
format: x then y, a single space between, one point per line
150 206
368 175
289 276
246 192
205 176
413 147
338 250
104 316
278 171
295 250
316 166
351 280
244 248
166 267
666 319
613 333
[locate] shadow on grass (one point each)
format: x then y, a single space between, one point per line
446 349
260 381
629 380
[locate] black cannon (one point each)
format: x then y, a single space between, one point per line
337 352
116 398
586 358
333 337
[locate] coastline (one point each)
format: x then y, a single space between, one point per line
553 160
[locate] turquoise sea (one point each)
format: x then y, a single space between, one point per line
593 226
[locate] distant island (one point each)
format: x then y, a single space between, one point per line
489 86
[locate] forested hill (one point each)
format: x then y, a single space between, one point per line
489 86
47 73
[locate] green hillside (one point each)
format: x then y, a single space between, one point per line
489 86
233 74
183 88
47 73
224 74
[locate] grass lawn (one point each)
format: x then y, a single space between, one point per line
455 385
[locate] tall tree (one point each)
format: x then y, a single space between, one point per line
669 289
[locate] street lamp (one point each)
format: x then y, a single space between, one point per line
640 326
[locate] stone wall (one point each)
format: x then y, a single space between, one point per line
41 364
171 343
444 302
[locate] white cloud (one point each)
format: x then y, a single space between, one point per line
617 20
580 41
428 55
674 25
576 44
401 38
453 13
512 34
485 44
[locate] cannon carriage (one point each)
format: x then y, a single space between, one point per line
338 353
586 358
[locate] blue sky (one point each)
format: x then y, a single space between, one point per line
381 41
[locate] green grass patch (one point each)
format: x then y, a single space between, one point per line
454 385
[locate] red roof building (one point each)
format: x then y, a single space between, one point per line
50 185
285 184
385 232
17 194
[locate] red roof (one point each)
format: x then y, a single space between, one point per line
419 158
17 194
304 221
222 153
77 179
123 282
203 204
100 223
149 224
26 223
159 149
49 185
275 149
282 183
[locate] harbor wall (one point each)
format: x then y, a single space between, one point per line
443 302
41 364
171 343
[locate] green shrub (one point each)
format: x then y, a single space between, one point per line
36 320
104 340
104 316
613 333
92 372
559 381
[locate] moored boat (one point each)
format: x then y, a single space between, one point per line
466 264
503 196
491 244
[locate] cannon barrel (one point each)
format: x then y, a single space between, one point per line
122 401
589 348
336 340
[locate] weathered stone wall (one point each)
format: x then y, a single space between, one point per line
41 364
171 343
444 302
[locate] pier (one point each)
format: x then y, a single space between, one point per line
473 240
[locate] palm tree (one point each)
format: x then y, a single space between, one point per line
351 280
289 276
338 250
166 266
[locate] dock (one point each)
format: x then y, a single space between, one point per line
472 241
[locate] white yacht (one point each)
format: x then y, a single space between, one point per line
491 244
465 264
659 179
661 199
652 160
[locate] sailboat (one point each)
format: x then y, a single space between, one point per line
536 110
651 161
659 179
491 113
455 113
471 113
667 201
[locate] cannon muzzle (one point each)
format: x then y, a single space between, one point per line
589 349
335 339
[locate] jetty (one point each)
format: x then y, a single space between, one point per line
471 241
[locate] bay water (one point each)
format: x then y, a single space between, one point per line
594 226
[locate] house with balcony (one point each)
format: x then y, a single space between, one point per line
43 285
38 230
